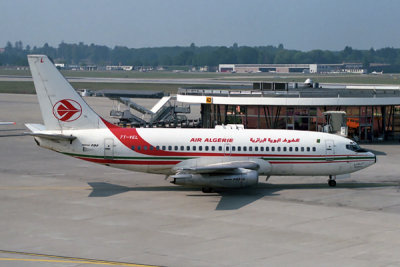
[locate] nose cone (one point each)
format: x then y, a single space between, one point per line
372 157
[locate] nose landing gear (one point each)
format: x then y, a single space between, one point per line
331 181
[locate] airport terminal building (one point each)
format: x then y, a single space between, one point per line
364 113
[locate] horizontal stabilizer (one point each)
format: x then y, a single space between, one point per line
53 136
39 130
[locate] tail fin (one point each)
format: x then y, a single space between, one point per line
61 106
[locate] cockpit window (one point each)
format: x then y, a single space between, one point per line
355 147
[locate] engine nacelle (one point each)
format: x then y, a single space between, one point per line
243 178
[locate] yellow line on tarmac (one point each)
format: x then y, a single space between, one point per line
64 188
73 261
65 259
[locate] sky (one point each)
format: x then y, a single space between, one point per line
297 24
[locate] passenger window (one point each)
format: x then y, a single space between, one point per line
233 148
256 148
314 149
213 148
157 148
267 148
133 148
284 149
279 149
250 148
176 148
182 148
220 148
308 149
188 148
273 149
151 147
302 149
245 148
296 149
144 147
163 147
169 148
239 148
262 149
194 148
200 148
290 149
206 147
138 148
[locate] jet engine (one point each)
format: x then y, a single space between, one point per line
239 179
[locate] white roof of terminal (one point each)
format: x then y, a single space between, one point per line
332 96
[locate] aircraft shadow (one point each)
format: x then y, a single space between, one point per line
377 152
232 199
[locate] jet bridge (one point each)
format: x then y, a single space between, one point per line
164 113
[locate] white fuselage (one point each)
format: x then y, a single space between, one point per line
160 150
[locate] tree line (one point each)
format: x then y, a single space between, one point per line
83 54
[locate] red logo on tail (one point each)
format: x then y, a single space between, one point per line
67 110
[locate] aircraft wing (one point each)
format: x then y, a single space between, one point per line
38 130
224 167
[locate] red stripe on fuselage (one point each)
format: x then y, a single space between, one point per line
130 162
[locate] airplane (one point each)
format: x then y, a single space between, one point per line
7 123
227 156
377 73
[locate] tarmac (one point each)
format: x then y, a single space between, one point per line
60 211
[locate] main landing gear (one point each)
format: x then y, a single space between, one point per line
331 181
207 190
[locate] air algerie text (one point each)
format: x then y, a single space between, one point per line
212 140
274 140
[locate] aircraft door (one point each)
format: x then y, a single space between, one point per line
227 150
109 148
329 149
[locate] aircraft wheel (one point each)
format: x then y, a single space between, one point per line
207 190
332 183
